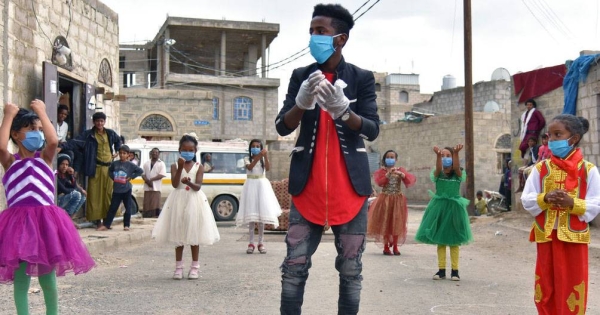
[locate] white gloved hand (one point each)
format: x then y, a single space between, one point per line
306 95
331 98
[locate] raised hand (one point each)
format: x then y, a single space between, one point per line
11 110
306 95
458 147
332 98
180 162
437 150
38 106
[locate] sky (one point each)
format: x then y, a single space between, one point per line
401 36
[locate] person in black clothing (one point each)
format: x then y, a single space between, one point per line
71 196
121 172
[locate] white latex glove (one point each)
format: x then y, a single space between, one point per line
331 98
306 95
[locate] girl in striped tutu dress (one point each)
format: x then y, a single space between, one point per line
37 238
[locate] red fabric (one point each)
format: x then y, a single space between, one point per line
543 152
381 180
328 197
569 165
538 82
561 275
533 129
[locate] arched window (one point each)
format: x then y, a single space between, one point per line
242 108
403 97
215 108
156 122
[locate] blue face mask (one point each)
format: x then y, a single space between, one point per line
560 148
254 151
446 161
188 156
321 47
390 162
34 140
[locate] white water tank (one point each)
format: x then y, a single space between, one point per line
500 74
449 82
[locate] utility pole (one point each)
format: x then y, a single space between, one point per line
469 149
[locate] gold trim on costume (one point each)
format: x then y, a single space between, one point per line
573 302
538 290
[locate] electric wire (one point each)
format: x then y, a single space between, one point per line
540 22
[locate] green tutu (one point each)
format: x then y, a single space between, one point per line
445 221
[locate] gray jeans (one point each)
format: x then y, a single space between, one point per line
302 240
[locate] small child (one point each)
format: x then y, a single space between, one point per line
388 214
71 196
543 150
62 128
445 221
186 217
121 172
37 238
563 194
480 204
258 204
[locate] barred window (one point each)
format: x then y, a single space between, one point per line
242 108
156 122
215 108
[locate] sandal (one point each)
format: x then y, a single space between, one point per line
250 249
262 249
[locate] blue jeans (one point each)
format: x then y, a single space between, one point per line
302 240
71 202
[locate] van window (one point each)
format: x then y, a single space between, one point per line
169 157
222 162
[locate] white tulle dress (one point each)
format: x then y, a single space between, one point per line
186 217
258 202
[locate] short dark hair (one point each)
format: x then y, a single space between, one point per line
157 149
341 20
479 193
545 136
99 115
532 101
63 107
125 148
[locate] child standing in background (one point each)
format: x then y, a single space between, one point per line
445 221
37 238
388 214
563 194
186 217
121 172
258 204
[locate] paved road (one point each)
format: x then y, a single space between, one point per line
496 271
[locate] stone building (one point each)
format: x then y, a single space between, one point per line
61 52
203 76
396 94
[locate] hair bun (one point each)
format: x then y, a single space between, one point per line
584 123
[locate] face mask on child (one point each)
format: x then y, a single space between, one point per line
560 148
34 140
390 162
188 156
446 161
255 151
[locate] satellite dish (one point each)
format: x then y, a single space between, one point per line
500 74
491 107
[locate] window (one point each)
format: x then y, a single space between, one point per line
225 163
403 97
169 157
121 62
128 79
377 87
215 108
242 108
156 122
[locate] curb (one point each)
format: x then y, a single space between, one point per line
106 241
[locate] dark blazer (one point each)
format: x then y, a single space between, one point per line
361 93
87 143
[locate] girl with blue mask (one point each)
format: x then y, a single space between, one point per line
563 195
388 213
32 216
446 221
186 217
258 205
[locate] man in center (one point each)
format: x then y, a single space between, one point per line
333 103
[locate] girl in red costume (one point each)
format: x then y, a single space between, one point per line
388 214
563 194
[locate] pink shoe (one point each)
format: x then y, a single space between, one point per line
178 274
194 270
262 249
250 249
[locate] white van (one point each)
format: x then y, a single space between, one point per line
222 185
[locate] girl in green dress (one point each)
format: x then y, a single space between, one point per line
445 221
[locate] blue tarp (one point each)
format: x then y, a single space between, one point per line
576 73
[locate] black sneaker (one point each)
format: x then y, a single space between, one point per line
454 276
441 274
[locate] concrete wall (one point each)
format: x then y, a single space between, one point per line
449 102
182 108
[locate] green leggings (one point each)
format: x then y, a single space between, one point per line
48 284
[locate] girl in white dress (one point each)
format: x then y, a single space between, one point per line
186 218
258 203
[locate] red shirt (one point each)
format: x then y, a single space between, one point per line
328 197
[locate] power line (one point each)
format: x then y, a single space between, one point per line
369 9
539 21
